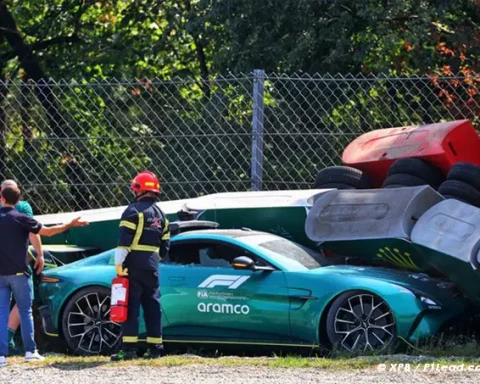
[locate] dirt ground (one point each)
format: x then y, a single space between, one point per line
58 374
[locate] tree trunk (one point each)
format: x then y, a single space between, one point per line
3 116
31 65
202 58
476 14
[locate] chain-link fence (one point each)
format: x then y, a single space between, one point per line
76 145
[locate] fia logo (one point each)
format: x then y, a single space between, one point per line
202 294
230 281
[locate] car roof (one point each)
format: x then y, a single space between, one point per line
232 233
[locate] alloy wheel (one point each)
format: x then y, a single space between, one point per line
364 322
89 322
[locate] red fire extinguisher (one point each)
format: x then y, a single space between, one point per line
119 299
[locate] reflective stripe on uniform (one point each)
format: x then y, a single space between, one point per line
139 231
128 224
154 340
146 248
166 232
138 234
130 339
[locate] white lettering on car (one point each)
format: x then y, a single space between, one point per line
230 281
224 308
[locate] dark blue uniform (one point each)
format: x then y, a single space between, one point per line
14 230
144 232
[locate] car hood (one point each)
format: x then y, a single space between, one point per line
97 260
420 283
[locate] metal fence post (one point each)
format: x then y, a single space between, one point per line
257 129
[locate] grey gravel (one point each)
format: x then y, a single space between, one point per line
206 374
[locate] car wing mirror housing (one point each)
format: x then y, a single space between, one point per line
245 262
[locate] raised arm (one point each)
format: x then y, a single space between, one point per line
56 229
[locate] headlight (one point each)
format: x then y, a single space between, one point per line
431 304
428 301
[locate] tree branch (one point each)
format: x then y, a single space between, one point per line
41 45
34 71
202 58
476 12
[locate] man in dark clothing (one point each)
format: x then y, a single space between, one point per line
15 228
36 241
144 237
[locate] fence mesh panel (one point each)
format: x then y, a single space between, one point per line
75 145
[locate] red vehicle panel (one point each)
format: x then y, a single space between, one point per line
442 144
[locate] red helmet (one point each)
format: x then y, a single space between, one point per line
145 181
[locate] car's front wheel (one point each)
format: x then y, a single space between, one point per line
86 324
360 321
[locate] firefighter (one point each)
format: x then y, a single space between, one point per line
144 238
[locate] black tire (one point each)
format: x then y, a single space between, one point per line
342 175
460 191
417 167
359 313
456 198
466 172
404 180
337 186
93 323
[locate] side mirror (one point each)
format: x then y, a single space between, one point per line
243 262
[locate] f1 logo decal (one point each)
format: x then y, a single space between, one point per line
232 282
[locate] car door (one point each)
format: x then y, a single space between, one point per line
205 298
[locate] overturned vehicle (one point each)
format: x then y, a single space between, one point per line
278 212
414 229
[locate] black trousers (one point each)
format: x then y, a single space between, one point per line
144 291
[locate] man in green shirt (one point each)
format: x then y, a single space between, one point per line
23 207
14 318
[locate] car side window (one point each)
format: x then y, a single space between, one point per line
183 254
206 254
219 255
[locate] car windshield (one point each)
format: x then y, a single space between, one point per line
304 256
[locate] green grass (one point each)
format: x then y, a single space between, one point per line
442 351
340 363
459 345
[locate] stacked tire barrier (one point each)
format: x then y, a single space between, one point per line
412 172
462 181
341 177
